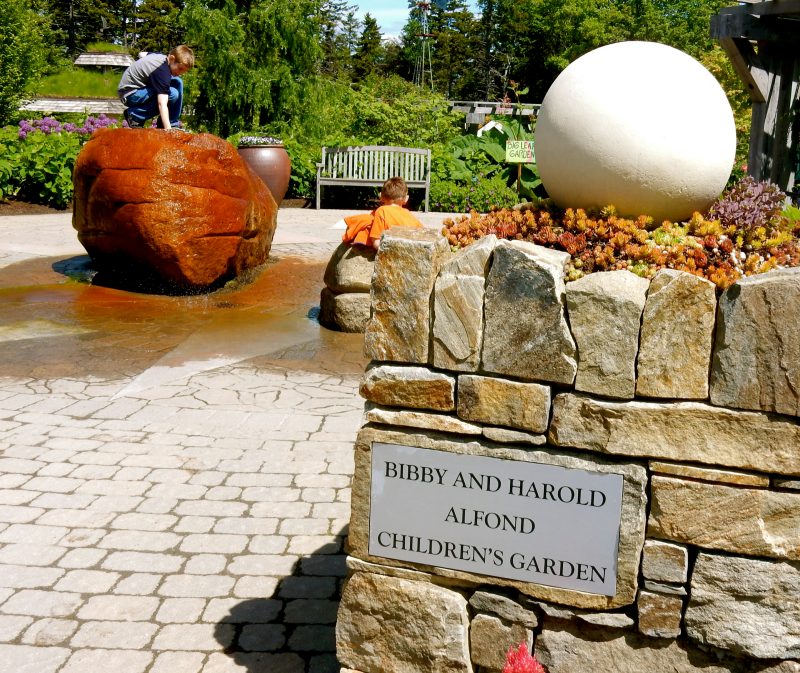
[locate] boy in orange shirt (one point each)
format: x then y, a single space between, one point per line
366 229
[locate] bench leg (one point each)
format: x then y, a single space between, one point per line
426 200
318 195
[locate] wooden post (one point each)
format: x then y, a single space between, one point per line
760 38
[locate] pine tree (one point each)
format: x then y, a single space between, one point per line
368 56
457 50
334 38
159 29
76 23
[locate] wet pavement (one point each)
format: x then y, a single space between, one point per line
174 471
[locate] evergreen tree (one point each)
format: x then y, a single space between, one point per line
257 60
532 41
334 38
369 52
76 23
351 29
406 57
457 50
158 25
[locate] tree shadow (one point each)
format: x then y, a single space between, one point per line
293 629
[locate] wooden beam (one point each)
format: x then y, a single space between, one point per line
746 63
751 27
773 7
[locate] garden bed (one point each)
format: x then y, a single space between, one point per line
13 207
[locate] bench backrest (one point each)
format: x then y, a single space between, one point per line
375 162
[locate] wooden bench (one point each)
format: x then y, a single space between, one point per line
372 165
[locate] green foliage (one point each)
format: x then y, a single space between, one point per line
256 61
480 195
23 53
381 111
369 50
532 41
338 28
792 215
159 30
683 24
79 82
718 64
392 111
77 23
107 47
304 167
39 168
468 157
457 51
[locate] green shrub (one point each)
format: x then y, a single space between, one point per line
36 159
304 156
39 168
481 195
23 53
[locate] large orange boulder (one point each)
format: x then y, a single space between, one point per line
181 207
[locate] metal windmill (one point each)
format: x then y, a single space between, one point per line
423 68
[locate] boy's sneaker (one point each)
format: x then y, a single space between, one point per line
132 123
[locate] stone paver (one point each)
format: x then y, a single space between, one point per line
181 513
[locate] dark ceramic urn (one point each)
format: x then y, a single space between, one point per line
272 164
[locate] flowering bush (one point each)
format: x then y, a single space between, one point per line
521 661
715 246
37 158
50 125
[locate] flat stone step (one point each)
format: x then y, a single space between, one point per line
86 105
105 59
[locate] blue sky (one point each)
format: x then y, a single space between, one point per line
391 15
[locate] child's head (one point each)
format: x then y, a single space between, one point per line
180 59
394 190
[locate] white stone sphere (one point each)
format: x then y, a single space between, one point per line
638 125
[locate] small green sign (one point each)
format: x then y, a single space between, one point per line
520 152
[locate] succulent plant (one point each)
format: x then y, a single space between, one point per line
719 249
749 205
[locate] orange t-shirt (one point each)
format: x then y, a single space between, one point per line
367 228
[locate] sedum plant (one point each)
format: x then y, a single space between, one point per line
749 205
721 250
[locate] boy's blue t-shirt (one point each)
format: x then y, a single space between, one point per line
161 78
151 70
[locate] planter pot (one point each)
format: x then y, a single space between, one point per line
271 163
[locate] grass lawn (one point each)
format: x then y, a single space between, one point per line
80 82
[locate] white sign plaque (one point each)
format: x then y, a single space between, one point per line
524 521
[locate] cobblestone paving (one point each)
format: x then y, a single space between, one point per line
193 525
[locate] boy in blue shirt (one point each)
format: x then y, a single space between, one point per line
152 87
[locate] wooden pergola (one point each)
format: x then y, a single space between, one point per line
762 39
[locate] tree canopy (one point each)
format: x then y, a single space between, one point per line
24 36
262 62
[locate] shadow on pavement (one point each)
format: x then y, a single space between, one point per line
293 630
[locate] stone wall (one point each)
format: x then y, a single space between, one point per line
691 397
